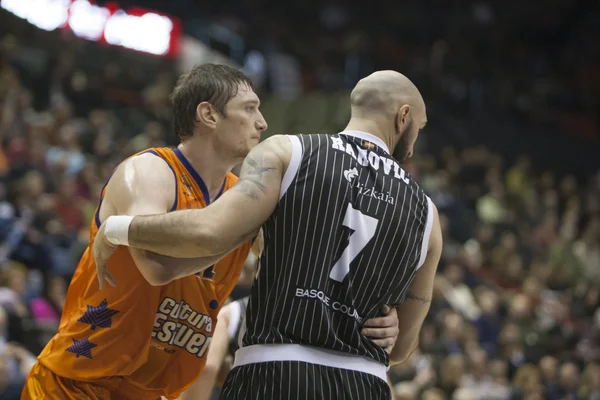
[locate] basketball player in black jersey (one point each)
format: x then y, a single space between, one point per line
226 336
347 230
222 352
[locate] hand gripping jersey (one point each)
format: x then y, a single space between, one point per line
153 339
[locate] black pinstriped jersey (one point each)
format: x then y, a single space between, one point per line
347 236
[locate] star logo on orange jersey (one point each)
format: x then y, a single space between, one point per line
98 316
82 348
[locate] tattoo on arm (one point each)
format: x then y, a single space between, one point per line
251 181
412 296
256 168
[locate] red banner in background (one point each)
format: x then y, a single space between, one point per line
136 28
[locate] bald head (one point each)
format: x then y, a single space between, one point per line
388 105
384 92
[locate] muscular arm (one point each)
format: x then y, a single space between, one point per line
414 309
227 223
145 185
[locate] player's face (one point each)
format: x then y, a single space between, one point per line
404 148
240 130
409 132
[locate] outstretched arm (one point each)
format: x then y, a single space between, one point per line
224 225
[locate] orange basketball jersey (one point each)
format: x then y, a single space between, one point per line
154 339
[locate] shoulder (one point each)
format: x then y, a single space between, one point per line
147 160
276 147
417 191
143 180
277 140
145 167
273 146
272 155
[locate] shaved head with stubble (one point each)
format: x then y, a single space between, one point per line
388 105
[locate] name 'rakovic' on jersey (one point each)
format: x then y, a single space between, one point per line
366 157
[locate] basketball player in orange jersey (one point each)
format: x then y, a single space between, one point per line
149 336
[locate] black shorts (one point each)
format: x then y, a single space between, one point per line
294 380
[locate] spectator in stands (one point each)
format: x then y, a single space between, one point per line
13 278
10 389
516 303
590 383
433 394
46 310
15 362
568 381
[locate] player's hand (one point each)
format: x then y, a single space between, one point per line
383 330
102 251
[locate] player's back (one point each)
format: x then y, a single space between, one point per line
138 338
347 236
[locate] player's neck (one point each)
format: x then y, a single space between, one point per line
210 165
370 126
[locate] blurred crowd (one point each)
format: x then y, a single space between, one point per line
540 63
62 132
515 310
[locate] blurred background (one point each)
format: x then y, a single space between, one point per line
510 156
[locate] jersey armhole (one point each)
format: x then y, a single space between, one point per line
426 234
294 165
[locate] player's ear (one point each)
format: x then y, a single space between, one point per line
206 114
402 118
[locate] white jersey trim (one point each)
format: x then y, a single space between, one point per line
235 317
294 165
427 233
260 353
369 137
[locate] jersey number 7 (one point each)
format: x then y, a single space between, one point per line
364 227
